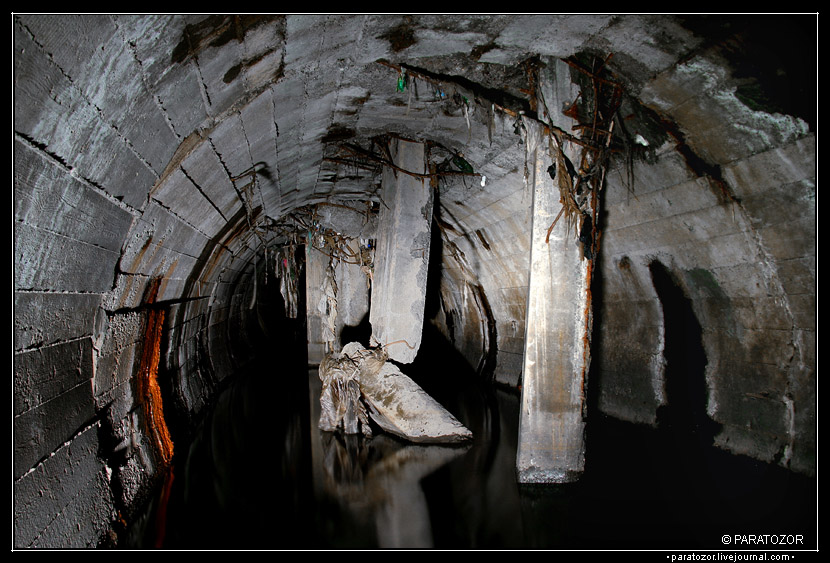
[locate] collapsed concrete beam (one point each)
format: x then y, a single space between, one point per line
359 384
551 434
402 252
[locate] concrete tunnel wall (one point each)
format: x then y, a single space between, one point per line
137 219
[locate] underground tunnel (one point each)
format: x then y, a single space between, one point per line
589 241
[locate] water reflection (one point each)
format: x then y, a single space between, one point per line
421 496
380 480
244 480
260 474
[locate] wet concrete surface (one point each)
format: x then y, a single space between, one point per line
260 475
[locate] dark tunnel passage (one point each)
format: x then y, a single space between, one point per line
577 253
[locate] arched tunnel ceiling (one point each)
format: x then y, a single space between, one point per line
188 105
156 155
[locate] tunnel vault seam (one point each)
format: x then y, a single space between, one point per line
80 92
144 80
216 269
73 172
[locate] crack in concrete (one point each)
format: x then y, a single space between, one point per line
132 48
253 168
42 344
180 218
143 307
66 237
88 425
83 96
73 172
227 171
202 85
201 191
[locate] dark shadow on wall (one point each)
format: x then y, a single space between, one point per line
671 486
475 339
361 332
684 416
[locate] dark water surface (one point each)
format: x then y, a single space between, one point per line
260 475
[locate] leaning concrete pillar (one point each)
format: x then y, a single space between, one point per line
551 436
402 252
320 307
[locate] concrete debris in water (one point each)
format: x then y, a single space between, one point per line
359 384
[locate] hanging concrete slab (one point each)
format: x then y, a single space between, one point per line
402 252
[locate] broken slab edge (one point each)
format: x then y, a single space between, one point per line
449 440
460 435
539 476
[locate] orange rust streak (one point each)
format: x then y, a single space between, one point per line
149 392
586 336
161 512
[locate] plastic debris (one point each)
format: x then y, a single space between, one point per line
327 306
462 164
341 401
288 278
